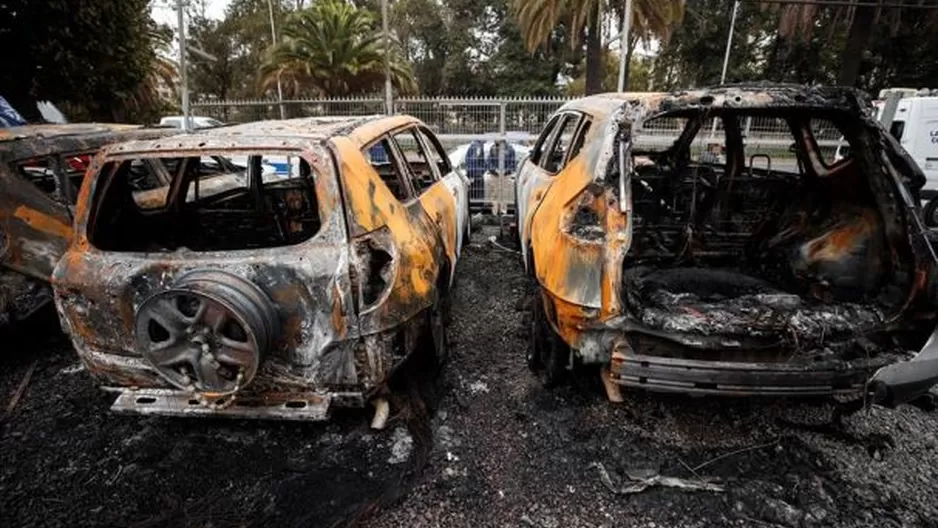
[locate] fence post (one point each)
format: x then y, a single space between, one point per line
502 142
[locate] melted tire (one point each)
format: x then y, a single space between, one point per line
547 354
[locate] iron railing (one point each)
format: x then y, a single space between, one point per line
459 122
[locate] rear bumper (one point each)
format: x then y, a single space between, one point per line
887 380
271 396
743 379
310 407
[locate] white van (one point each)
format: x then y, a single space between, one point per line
915 126
198 122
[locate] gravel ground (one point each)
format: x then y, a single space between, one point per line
495 449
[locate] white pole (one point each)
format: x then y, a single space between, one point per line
624 43
273 39
726 58
729 42
183 81
388 95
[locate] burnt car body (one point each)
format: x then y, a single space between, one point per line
41 170
688 273
199 286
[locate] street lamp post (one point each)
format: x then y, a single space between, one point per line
624 43
273 39
729 42
388 96
183 80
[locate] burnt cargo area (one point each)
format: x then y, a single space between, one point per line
733 258
204 203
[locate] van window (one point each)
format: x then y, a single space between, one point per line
896 129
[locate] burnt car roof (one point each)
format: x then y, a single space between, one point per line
30 141
742 96
69 129
288 133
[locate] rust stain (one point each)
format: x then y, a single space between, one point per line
43 222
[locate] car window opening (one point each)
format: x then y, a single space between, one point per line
381 160
205 203
733 237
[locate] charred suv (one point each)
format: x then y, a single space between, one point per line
681 243
267 270
41 169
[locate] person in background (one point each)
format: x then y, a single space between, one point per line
711 155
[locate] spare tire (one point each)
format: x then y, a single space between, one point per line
208 333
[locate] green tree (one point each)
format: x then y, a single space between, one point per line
213 79
517 72
88 57
247 24
420 27
331 49
538 19
692 57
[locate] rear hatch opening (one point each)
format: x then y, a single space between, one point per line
205 202
761 255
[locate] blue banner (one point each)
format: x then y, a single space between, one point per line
9 117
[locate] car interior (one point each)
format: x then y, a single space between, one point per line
796 254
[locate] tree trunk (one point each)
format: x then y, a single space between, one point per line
860 29
594 53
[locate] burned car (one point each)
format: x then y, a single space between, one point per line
714 260
41 169
198 283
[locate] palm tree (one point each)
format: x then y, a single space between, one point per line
539 18
146 101
331 49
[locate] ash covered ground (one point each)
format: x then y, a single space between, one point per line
484 445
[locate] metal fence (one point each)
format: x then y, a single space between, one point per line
459 122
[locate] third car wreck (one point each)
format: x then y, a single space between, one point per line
675 270
41 169
199 286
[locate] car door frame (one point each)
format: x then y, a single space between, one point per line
437 202
456 183
534 181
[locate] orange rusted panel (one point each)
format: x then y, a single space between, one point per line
43 222
371 207
440 205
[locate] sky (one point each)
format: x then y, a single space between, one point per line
164 11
